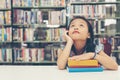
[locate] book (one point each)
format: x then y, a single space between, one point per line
84 66
95 69
83 63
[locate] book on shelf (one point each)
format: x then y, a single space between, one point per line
36 16
89 11
6 55
110 26
17 34
5 4
5 33
36 3
28 55
52 3
49 53
5 17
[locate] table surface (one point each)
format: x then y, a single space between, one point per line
52 73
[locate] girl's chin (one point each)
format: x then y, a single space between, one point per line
76 38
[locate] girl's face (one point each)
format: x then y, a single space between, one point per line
78 30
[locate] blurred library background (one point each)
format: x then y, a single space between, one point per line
31 31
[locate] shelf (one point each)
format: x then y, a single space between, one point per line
96 17
44 41
5 41
5 9
105 34
38 25
118 51
29 63
5 24
5 62
17 41
93 3
41 7
28 25
118 33
35 63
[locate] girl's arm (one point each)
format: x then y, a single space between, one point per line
64 54
106 61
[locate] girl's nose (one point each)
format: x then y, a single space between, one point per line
75 28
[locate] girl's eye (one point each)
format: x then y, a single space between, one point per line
72 26
81 25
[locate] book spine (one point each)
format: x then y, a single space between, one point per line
82 63
99 69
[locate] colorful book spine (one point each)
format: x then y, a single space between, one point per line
95 69
84 66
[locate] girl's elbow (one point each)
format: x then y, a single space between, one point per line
60 67
115 67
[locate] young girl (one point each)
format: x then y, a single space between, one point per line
80 45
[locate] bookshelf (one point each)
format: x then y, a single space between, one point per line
36 28
40 26
5 32
104 15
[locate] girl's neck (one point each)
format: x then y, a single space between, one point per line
79 46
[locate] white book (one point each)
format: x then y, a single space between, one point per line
39 17
27 55
2 4
33 50
8 4
99 27
1 18
0 33
28 17
7 55
29 2
31 34
39 55
55 15
24 3
32 19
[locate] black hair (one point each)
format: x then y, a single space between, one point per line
90 46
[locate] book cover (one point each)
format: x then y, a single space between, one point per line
95 69
73 63
84 66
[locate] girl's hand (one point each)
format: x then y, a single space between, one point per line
85 56
67 37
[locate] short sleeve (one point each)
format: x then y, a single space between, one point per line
99 47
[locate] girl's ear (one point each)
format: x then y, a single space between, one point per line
88 35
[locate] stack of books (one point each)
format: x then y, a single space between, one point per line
84 66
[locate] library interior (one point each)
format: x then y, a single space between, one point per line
32 31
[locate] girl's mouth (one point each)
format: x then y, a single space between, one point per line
76 32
